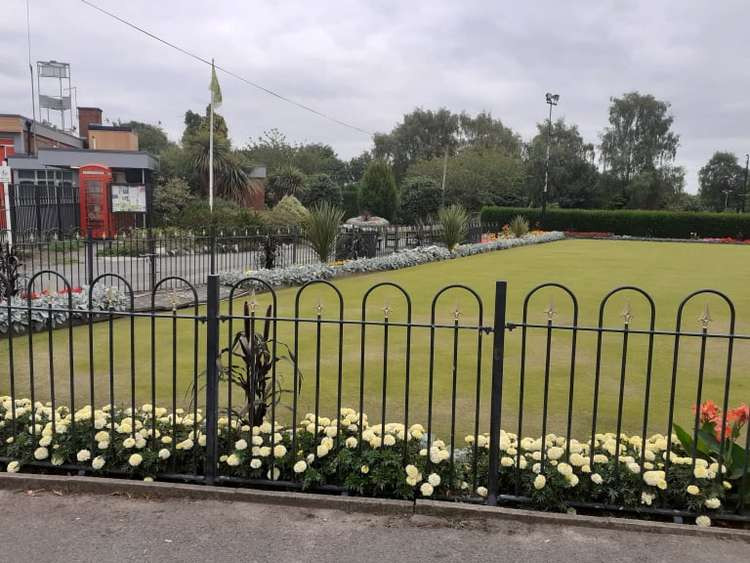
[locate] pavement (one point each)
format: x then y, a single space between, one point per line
48 525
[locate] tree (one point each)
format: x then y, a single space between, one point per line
477 177
721 182
419 199
655 189
572 174
485 132
639 135
231 179
286 181
378 194
151 138
171 197
319 188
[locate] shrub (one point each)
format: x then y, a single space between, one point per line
658 224
519 226
321 227
378 194
454 222
287 213
170 200
287 181
350 199
420 199
226 216
320 188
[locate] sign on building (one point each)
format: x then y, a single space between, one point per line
5 177
128 199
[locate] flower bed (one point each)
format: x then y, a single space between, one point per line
77 299
372 460
300 274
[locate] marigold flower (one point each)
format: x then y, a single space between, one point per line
13 467
539 482
434 479
712 503
98 463
135 460
703 521
300 466
83 455
426 489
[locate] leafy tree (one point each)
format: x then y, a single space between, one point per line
286 181
419 199
378 194
654 189
350 200
151 138
721 182
485 132
639 136
476 178
171 197
355 168
572 174
319 188
288 212
231 179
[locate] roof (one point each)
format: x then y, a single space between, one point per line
99 127
75 158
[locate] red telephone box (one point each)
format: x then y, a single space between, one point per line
6 149
94 181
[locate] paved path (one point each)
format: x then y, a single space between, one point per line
44 527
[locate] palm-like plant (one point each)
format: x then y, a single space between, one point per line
454 223
230 177
321 228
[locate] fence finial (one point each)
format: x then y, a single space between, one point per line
705 319
627 313
550 311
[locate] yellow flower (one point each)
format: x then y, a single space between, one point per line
365 469
703 521
654 478
41 453
135 460
98 462
300 466
539 482
712 503
279 451
13 467
693 490
233 460
700 472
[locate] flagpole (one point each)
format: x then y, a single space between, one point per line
211 153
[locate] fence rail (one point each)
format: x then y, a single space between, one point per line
438 361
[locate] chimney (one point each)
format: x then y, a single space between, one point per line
86 117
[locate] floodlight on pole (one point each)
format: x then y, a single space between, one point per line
552 100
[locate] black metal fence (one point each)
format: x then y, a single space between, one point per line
445 364
142 257
43 207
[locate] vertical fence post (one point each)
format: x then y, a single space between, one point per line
89 257
212 376
496 396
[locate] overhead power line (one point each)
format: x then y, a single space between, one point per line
225 70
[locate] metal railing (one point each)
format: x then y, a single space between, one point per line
399 362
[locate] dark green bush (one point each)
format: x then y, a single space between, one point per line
658 224
226 216
320 188
378 194
350 197
420 199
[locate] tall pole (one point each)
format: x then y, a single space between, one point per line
744 186
211 157
552 100
445 171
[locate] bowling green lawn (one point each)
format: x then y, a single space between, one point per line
589 268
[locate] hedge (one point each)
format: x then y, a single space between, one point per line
658 224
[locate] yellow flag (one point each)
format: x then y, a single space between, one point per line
215 88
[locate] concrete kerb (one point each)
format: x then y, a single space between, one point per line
451 511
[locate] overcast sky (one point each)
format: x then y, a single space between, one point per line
368 63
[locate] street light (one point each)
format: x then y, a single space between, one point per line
552 100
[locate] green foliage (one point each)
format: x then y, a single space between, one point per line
286 181
378 194
226 216
321 227
170 199
151 138
659 224
454 223
478 177
519 226
721 182
420 199
350 200
287 213
319 188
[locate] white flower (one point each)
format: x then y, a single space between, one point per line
482 491
597 479
83 455
539 482
41 453
506 461
426 489
255 463
13 467
351 442
647 498
240 445
700 472
564 469
164 453
655 478
300 466
166 440
321 450
45 441
364 470
389 440
103 445
693 490
98 462
713 503
555 452
148 479
140 443
703 521
57 460
279 451
434 479
276 473
233 460
135 460
128 443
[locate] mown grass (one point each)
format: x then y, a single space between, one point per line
667 271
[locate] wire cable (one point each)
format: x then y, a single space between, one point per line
225 70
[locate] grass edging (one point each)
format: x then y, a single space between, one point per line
441 509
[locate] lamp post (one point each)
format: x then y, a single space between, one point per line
552 100
744 186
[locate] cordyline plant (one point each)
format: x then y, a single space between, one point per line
322 227
249 365
709 445
454 221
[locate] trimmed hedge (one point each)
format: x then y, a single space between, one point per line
658 224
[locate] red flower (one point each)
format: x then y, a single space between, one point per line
739 416
709 412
